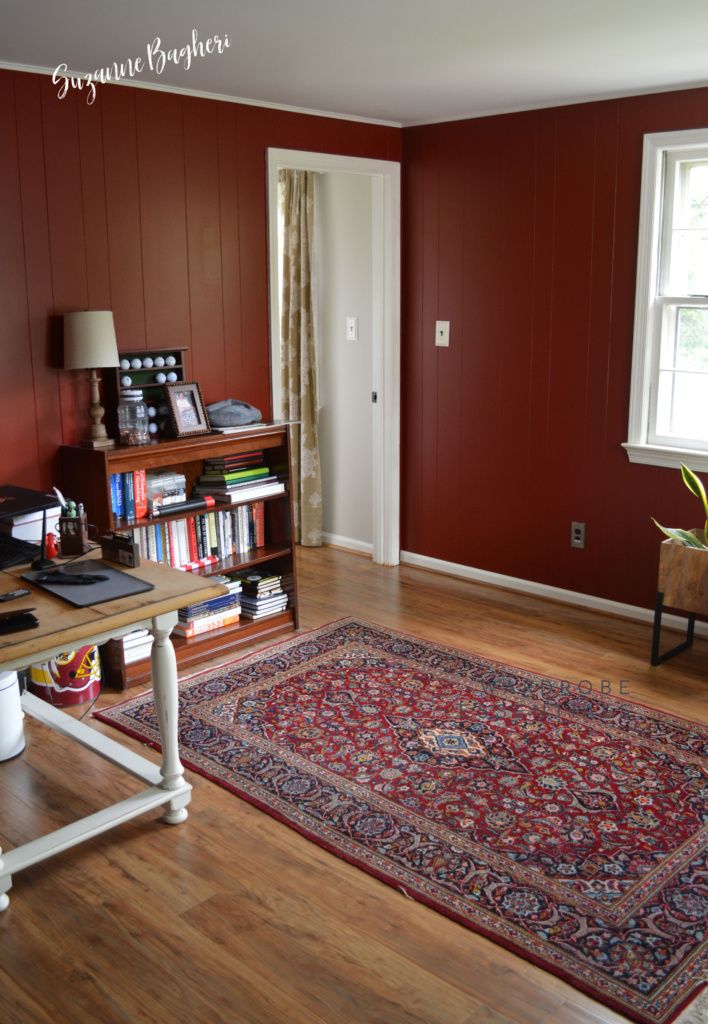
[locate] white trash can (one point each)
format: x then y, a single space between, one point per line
12 737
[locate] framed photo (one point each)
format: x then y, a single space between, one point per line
187 413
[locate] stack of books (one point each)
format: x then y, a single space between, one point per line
214 613
262 595
236 478
136 645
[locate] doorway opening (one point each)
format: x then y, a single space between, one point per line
377 355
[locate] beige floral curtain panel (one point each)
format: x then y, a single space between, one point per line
298 352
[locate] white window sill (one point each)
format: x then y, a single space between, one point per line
658 455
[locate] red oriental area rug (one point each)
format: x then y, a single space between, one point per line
569 828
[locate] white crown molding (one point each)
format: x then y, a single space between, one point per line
573 597
572 101
222 97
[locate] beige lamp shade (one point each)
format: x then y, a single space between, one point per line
90 340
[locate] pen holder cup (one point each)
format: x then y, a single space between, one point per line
73 535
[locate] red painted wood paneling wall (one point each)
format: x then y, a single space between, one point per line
150 204
522 231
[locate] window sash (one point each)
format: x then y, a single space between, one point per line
664 174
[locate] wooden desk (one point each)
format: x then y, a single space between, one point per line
63 628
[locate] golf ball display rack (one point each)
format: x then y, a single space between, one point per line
148 372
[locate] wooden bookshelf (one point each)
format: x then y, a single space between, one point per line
86 476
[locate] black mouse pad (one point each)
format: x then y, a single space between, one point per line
119 584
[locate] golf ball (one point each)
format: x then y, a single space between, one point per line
170 361
172 377
126 381
147 362
158 361
136 363
125 364
160 378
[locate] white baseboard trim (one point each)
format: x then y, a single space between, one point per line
597 604
337 541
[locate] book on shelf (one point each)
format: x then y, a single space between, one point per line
128 495
262 594
234 476
136 645
236 461
255 615
140 493
205 538
117 503
232 583
213 604
246 493
137 653
207 624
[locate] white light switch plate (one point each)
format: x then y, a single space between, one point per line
442 333
352 328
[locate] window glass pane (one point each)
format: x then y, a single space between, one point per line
684 343
682 407
689 263
694 211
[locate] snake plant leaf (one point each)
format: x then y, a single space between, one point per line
684 537
695 486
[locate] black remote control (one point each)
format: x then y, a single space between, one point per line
22 592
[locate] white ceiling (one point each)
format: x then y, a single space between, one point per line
400 61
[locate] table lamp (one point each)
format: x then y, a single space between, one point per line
90 344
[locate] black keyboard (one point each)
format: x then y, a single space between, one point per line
16 552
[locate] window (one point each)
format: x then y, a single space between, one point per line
668 420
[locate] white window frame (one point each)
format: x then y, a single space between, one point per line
660 151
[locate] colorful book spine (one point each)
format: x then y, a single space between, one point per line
114 499
128 496
140 493
207 624
259 523
210 607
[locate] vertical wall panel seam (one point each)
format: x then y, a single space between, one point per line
604 494
533 306
225 361
140 218
618 126
591 271
26 267
183 103
552 288
49 239
83 210
237 170
105 206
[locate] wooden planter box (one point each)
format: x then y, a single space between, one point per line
683 576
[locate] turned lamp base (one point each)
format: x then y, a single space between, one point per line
98 442
99 438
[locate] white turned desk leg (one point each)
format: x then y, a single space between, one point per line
164 678
5 884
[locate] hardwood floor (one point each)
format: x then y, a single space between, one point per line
233 917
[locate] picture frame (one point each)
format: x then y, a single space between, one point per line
188 415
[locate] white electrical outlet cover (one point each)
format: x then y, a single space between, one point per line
442 333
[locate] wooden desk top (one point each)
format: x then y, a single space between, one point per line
60 623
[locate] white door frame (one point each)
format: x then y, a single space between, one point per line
386 324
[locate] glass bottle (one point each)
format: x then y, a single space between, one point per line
133 418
